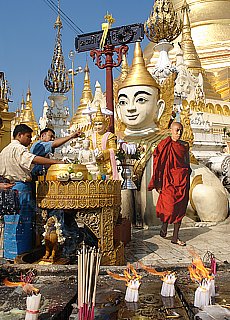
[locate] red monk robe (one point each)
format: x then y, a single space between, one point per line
171 172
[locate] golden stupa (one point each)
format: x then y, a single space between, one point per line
210 31
28 116
79 119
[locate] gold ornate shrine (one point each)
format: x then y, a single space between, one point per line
95 203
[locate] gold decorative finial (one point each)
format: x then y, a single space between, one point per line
163 23
57 79
138 74
109 18
105 27
191 58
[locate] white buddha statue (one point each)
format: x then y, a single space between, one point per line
86 156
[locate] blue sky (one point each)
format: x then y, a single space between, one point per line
27 39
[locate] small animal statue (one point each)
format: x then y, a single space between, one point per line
51 239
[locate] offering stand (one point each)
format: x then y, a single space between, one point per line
96 203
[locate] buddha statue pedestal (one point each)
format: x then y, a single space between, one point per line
95 203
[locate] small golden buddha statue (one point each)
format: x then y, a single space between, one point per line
104 145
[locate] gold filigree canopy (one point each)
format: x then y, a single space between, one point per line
138 74
163 23
57 79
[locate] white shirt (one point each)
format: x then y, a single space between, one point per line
16 162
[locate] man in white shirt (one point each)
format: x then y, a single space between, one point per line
16 160
15 165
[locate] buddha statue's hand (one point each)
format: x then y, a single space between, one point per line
100 156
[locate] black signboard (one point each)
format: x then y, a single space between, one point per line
116 36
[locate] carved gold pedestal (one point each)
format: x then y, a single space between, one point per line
97 205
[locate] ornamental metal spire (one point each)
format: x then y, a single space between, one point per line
163 23
57 79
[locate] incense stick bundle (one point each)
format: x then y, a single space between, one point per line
88 270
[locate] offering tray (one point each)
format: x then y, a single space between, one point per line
56 169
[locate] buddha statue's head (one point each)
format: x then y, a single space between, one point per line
85 144
138 106
100 121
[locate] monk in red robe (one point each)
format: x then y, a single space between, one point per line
171 172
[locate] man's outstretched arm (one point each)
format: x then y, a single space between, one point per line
43 160
60 141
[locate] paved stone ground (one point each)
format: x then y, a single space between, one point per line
151 249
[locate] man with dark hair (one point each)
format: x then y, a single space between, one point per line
16 162
171 172
21 128
46 145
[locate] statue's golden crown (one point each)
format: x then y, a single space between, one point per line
138 74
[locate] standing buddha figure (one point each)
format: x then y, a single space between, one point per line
104 145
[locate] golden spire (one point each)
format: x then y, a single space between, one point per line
86 92
16 119
124 68
27 116
124 72
163 23
22 104
22 108
191 58
86 98
28 95
138 74
57 79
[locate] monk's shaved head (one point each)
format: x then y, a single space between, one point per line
176 124
176 130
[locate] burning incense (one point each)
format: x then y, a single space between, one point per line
88 270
